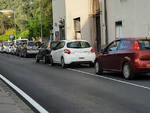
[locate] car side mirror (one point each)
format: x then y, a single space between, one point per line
104 51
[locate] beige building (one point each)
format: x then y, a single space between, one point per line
101 21
79 19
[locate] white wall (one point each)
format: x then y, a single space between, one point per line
59 11
134 15
75 9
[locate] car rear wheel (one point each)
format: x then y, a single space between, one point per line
45 59
37 60
51 61
98 69
63 65
127 71
20 54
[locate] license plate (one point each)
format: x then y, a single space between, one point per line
81 57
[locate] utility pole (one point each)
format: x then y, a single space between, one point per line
41 20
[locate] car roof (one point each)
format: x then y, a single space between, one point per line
73 40
136 38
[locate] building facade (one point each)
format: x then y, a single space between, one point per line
79 19
128 18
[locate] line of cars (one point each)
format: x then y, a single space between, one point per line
20 47
128 56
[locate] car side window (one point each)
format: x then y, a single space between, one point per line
124 44
60 45
113 46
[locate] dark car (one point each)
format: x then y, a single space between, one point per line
128 55
45 50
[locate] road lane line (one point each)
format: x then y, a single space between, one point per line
37 106
120 81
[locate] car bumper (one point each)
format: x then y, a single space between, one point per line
142 66
32 51
69 59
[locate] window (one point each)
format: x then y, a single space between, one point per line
144 44
77 28
113 46
60 45
30 43
78 44
118 26
124 44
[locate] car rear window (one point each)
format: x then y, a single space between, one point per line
144 44
30 43
54 44
78 44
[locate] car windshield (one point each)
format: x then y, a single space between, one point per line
78 44
144 44
54 44
30 44
6 44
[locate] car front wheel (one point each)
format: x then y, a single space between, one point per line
98 68
127 71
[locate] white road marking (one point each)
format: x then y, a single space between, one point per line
24 95
108 78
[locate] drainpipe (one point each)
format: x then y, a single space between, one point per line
106 24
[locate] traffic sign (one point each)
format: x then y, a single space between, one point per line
11 36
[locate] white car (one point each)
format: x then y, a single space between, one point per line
68 52
6 47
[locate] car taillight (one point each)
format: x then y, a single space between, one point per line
67 51
136 46
92 50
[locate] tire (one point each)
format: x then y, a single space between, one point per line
51 62
25 55
45 60
127 71
37 60
63 65
20 54
98 69
91 64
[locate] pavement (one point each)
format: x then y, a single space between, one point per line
76 89
10 102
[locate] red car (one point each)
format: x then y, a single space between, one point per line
128 55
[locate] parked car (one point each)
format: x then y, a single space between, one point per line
10 48
1 47
28 49
5 46
68 52
45 50
129 56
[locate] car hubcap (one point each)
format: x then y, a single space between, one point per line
126 71
97 67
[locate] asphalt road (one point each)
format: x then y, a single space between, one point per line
76 90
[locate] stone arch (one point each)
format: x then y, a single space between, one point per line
95 24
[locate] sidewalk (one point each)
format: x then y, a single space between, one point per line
10 102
